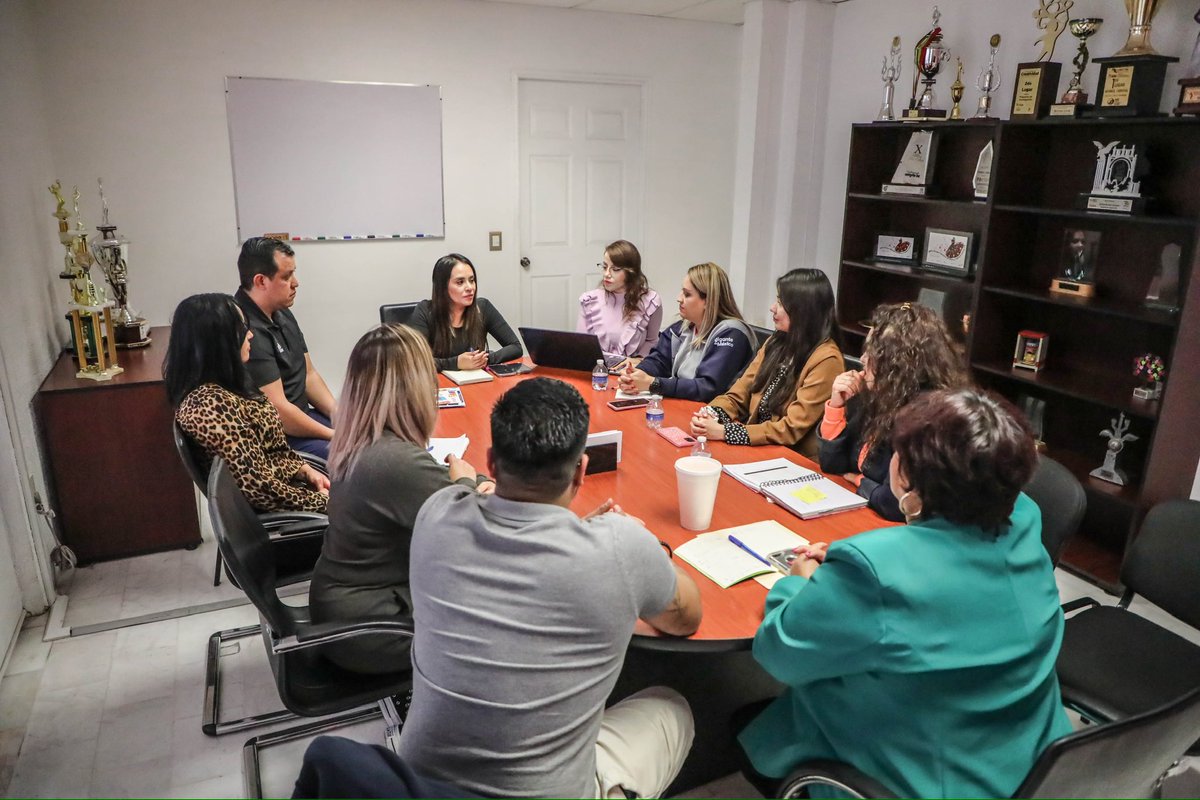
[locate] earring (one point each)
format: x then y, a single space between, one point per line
909 516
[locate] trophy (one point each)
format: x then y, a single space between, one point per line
956 92
981 181
1038 80
1163 291
912 174
1117 437
90 312
890 74
988 81
928 56
110 252
1074 99
1116 185
1131 80
1189 87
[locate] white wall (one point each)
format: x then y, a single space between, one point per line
30 258
135 94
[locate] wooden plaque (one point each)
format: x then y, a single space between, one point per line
1036 86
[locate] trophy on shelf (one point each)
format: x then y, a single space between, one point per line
913 173
956 92
928 56
1131 80
892 65
988 81
1074 99
1189 87
1117 185
111 252
90 311
1117 437
1037 81
1163 292
981 181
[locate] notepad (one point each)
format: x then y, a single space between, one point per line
724 563
440 448
466 376
805 493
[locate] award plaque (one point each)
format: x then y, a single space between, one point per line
1034 410
1117 437
1031 350
1164 286
948 252
1189 87
1033 94
1116 186
1131 80
914 171
983 173
1077 273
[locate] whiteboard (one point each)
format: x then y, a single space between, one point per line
335 161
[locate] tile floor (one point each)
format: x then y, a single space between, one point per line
116 713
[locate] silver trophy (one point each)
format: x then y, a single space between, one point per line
890 73
111 252
1117 436
988 81
929 56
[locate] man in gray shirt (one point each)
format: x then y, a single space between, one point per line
523 613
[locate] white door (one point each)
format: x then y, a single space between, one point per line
11 611
580 151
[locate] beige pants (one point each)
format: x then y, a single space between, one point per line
642 743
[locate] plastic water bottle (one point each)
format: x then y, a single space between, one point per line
655 412
600 376
700 448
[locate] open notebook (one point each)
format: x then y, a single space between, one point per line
805 493
725 563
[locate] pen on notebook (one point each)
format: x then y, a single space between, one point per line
734 540
760 471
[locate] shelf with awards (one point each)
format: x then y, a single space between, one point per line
1086 241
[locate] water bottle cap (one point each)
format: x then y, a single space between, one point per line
702 439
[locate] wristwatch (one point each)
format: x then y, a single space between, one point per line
656 385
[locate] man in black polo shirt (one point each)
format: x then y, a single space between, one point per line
280 365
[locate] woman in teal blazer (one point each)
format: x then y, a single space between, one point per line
924 654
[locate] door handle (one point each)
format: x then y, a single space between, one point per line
525 262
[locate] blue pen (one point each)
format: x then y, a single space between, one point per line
734 539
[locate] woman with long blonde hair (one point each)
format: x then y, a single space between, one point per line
381 475
698 357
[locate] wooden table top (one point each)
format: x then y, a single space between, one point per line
644 485
142 365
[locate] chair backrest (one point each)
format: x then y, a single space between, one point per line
1126 758
246 547
183 445
1062 500
397 313
1163 563
761 334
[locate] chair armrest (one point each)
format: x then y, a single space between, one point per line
311 635
293 523
269 517
838 774
316 462
1078 603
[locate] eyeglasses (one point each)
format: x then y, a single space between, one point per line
606 268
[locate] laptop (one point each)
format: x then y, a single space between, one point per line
565 349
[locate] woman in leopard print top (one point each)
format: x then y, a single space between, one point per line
221 412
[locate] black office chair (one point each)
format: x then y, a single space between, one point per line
398 313
1062 500
1115 663
1128 758
761 334
309 684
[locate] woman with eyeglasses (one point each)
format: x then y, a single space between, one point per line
222 412
778 399
908 352
699 356
457 323
624 312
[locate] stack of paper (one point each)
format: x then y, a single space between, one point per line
725 563
805 493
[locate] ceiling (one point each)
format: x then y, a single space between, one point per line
726 11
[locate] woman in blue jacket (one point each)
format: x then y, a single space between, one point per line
923 654
698 357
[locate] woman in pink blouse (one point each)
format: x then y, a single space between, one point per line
624 312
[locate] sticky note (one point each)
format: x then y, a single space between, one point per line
808 494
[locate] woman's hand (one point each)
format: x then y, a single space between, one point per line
703 424
634 381
473 359
845 386
315 478
808 558
460 469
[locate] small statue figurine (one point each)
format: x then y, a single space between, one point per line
61 211
1051 17
890 73
1117 437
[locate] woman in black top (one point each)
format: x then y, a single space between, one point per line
457 323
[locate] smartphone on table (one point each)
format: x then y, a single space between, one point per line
626 405
782 560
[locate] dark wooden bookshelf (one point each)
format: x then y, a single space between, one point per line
1039 171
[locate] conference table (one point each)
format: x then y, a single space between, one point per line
713 668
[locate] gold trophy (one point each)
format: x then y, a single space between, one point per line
956 92
90 312
1074 99
1131 80
110 252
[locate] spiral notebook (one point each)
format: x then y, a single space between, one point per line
805 493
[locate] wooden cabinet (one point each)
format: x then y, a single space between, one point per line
1039 171
114 476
